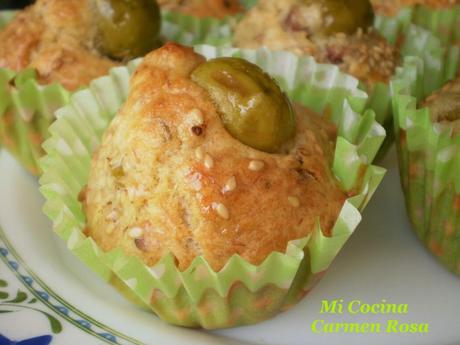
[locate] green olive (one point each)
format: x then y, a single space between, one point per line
250 103
345 16
128 28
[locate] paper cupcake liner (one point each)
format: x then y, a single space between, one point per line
240 293
443 23
247 4
5 17
441 63
189 30
429 161
26 111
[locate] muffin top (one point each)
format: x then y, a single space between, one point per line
306 27
392 7
203 8
55 37
444 106
169 178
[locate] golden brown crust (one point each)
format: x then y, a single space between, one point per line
203 8
56 37
444 106
367 56
156 186
276 24
392 7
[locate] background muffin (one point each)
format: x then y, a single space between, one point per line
429 151
52 41
57 38
307 28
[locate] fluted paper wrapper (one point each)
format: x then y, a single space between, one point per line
429 160
190 30
241 293
26 111
432 52
5 17
27 108
443 23
441 63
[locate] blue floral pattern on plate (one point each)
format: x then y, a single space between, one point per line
42 340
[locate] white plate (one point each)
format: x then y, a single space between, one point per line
383 260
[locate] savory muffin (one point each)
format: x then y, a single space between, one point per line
57 39
172 174
392 7
66 41
428 147
333 32
203 8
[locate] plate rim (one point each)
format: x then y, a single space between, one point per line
14 262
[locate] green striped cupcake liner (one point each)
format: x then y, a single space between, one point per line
443 23
240 293
194 30
429 161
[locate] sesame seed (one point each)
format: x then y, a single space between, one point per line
208 161
256 165
294 201
135 232
230 185
199 154
197 116
222 211
112 216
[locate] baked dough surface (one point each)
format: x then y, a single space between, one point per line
57 38
158 185
203 8
444 106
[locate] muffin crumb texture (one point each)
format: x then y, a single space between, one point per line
444 106
203 8
156 188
